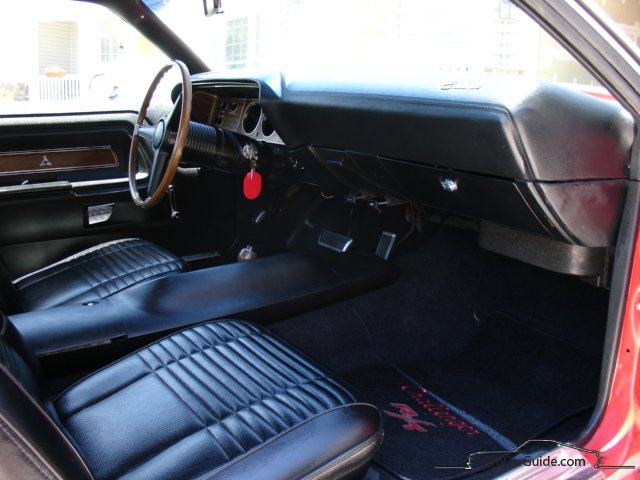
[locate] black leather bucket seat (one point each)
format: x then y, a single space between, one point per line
221 400
88 276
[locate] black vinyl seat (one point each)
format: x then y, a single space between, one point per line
224 399
90 275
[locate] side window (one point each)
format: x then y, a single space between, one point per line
72 57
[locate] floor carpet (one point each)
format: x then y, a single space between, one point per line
468 351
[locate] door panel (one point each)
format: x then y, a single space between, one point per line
45 202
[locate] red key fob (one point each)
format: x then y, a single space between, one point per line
252 185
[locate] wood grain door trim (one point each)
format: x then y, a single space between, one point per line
54 160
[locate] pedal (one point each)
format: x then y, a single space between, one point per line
385 245
334 241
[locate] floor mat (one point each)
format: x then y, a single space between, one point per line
422 430
514 378
508 386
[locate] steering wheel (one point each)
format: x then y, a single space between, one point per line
167 138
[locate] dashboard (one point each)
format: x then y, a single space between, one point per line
532 158
235 108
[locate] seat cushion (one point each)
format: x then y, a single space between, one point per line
215 400
95 273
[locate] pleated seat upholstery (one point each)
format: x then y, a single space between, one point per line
224 399
95 273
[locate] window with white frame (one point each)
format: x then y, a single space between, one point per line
109 49
237 43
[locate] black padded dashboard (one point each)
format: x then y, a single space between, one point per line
515 129
538 157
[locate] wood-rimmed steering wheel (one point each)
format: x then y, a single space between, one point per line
167 138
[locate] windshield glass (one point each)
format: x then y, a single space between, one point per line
416 36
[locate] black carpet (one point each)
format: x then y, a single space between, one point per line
513 378
468 351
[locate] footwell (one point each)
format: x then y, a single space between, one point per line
467 352
509 385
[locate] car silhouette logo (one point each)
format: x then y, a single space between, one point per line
492 457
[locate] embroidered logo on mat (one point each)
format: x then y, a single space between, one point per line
408 415
442 414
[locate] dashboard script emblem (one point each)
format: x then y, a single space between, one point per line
408 414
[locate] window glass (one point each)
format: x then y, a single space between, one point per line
236 45
413 37
72 56
626 14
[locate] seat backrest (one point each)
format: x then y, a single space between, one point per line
32 441
9 298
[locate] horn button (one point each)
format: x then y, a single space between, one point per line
158 134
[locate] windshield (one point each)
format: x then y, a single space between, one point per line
416 36
79 57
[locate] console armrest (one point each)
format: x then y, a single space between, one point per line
268 287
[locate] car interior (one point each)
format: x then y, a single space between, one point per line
424 273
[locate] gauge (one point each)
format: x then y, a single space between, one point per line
267 129
251 118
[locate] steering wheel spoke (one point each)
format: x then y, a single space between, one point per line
174 115
146 132
158 168
167 139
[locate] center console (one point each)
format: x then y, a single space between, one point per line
260 289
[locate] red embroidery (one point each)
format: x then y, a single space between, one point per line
408 414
